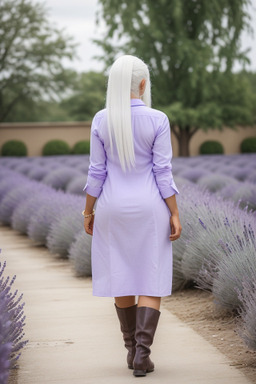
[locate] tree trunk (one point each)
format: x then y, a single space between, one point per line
184 142
183 136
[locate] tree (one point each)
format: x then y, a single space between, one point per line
31 53
88 96
230 101
188 45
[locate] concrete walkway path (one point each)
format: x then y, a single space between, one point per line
74 337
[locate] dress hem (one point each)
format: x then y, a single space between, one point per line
132 294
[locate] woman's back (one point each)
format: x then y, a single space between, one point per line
153 154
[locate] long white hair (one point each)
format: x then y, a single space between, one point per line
124 78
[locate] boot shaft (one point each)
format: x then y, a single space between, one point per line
146 324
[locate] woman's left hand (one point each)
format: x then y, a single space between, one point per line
88 225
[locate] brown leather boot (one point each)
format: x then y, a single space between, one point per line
127 318
146 324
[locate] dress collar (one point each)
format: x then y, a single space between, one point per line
137 102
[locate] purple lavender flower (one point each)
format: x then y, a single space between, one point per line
5 345
76 185
252 177
238 264
215 182
83 167
193 174
8 183
63 230
23 167
37 172
59 178
241 173
53 205
80 254
15 197
247 311
12 321
23 212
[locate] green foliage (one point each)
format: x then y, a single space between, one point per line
14 148
81 148
230 101
88 97
248 145
211 147
191 48
56 147
29 110
178 39
31 53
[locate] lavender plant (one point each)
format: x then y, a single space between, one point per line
52 205
37 172
252 177
23 167
63 231
238 264
80 254
241 174
12 321
15 197
204 222
5 345
193 174
247 312
8 183
179 281
215 182
76 185
83 168
24 211
13 162
243 193
59 178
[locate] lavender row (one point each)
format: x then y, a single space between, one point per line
231 176
216 250
12 322
49 217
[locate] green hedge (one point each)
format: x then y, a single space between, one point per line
14 148
211 147
248 145
81 148
56 147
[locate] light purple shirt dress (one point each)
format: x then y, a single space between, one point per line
131 251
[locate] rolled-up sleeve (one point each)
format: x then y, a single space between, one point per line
97 170
162 157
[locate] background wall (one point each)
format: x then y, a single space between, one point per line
230 139
35 135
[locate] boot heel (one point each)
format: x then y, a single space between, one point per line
139 372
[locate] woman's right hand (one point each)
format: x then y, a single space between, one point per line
176 227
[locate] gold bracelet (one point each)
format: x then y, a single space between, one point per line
91 214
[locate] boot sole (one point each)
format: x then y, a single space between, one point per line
141 372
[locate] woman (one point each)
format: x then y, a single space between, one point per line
130 174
